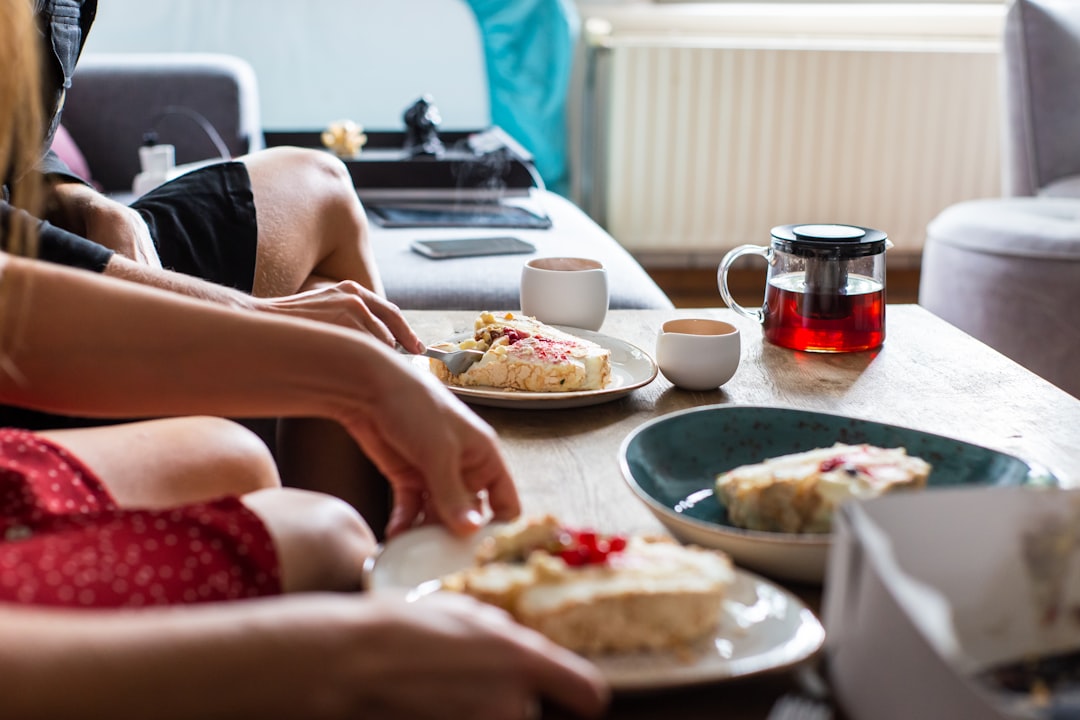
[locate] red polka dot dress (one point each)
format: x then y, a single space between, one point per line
64 541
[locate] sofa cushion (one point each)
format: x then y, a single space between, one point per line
67 150
1044 228
491 283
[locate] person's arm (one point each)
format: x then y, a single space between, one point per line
304 656
76 343
346 304
81 209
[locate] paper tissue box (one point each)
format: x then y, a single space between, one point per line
925 592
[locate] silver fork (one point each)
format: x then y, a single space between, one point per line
456 361
795 707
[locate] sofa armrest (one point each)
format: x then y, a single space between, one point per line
206 105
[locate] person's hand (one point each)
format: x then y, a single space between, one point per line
349 305
84 211
449 656
442 460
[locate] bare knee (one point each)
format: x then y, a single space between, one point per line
247 465
312 226
322 542
306 168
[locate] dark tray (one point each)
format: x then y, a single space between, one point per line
485 160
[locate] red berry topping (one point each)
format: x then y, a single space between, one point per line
586 547
513 335
846 465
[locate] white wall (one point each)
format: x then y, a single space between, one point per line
321 60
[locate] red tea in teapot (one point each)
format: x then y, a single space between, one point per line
825 288
798 317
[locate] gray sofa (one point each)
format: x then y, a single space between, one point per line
207 106
1007 270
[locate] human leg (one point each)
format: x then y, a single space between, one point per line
163 463
313 229
311 225
321 543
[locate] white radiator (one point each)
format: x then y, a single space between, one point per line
693 147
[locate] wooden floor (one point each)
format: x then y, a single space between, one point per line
689 288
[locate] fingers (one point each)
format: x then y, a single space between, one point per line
376 328
503 500
491 475
427 441
350 305
408 506
534 667
569 680
458 508
395 323
383 319
553 672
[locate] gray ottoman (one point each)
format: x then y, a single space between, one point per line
1007 271
415 282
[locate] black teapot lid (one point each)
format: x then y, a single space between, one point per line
829 240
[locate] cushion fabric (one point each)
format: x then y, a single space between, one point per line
1005 271
492 283
65 148
1045 228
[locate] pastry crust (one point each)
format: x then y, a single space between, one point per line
798 493
521 353
650 594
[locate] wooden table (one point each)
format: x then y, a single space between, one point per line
928 376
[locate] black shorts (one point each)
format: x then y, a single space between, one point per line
203 224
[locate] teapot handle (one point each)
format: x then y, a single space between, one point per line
722 278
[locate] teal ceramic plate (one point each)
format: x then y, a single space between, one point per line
672 461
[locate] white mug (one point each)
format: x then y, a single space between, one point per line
565 291
698 353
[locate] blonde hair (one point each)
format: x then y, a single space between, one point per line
20 120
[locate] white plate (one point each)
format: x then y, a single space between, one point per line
763 627
631 368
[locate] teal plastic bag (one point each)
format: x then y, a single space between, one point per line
529 51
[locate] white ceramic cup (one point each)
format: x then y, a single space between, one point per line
565 291
698 353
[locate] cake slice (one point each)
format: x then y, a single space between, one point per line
521 353
596 594
798 493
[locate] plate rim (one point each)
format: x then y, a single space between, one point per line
809 540
536 400
805 640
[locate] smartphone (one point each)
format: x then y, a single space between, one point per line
470 247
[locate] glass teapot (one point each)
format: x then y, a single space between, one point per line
825 287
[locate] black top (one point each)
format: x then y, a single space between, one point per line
63 26
58 246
